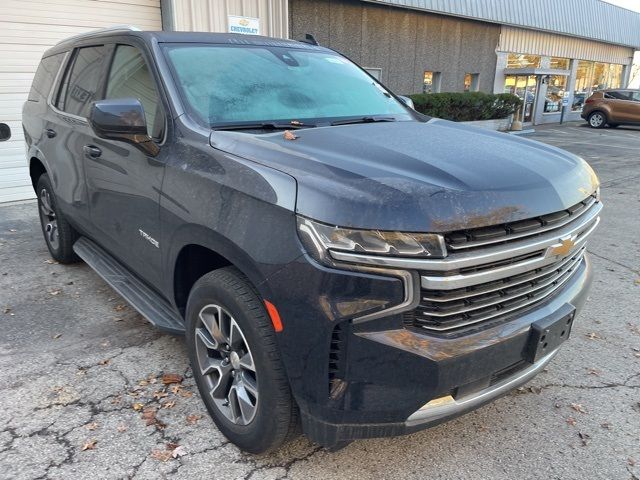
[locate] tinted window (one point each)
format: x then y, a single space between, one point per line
44 77
130 78
618 95
636 96
80 86
234 84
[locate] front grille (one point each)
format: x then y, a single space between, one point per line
491 273
446 309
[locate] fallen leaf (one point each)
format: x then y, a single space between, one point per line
160 394
631 462
91 426
7 310
175 389
55 292
289 135
592 336
120 307
578 408
193 419
122 428
571 421
56 336
634 328
169 404
106 361
161 455
172 445
169 378
606 425
179 451
138 406
143 383
13 230
186 394
149 415
51 262
89 445
584 437
594 371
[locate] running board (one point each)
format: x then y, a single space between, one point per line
146 301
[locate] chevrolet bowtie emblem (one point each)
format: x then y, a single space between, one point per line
563 248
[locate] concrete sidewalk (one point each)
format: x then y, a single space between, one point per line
81 375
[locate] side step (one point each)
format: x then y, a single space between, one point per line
150 305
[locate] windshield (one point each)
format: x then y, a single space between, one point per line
229 84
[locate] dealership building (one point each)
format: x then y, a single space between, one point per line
550 53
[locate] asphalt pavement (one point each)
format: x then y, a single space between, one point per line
89 389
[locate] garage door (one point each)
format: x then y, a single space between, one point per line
27 29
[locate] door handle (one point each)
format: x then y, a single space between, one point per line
91 151
50 133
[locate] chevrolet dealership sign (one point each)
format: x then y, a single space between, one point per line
245 25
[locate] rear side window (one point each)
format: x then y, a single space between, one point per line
80 85
130 77
618 95
44 77
635 96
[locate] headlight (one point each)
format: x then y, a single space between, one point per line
319 238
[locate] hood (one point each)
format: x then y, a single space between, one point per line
436 176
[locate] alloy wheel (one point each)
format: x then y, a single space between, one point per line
49 219
596 120
226 364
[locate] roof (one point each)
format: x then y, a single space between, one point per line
181 37
592 19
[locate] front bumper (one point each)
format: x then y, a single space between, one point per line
384 377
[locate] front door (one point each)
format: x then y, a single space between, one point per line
124 183
525 87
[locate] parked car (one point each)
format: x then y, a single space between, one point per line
334 258
613 108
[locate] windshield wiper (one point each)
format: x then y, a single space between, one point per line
265 126
363 120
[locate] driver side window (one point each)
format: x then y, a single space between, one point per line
129 77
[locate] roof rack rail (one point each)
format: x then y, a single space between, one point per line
113 29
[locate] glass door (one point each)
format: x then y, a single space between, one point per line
525 87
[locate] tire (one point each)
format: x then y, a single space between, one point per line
222 302
597 119
58 233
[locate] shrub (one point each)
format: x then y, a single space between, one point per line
467 106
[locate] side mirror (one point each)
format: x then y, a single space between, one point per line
407 101
5 132
122 119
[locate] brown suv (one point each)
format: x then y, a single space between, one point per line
612 107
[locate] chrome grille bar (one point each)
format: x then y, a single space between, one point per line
469 306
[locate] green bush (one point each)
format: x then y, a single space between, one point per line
467 106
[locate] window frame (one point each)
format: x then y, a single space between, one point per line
474 84
436 81
162 110
66 70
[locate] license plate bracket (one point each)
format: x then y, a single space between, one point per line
548 333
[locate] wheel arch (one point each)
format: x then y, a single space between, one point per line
36 169
201 252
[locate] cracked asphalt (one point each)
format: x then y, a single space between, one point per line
82 392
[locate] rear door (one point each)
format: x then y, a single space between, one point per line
621 106
69 129
635 107
123 182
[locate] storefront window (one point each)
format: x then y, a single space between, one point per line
555 93
594 76
559 63
520 60
615 76
584 74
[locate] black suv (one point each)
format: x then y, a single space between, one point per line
335 258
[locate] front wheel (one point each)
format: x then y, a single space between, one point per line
597 120
57 231
236 362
